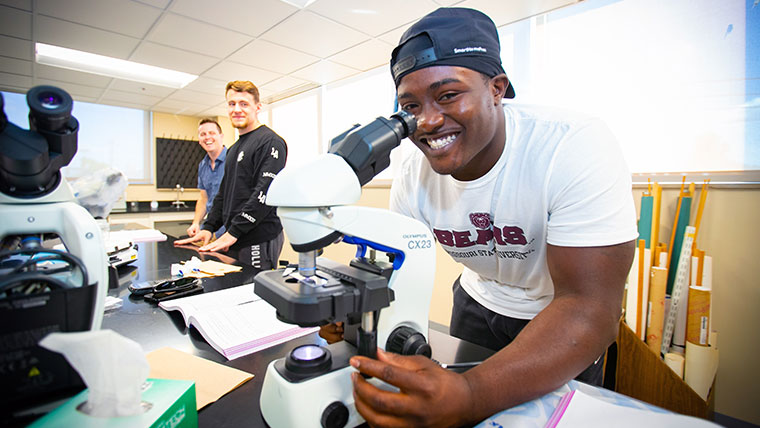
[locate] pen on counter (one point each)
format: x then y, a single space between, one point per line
181 273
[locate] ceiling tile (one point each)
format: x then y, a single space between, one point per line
163 109
123 17
18 4
366 56
71 76
73 89
189 96
308 32
75 36
228 71
219 110
270 56
179 107
13 89
325 72
141 88
129 97
259 16
282 84
15 81
82 99
447 3
185 33
392 37
269 97
16 23
161 4
373 17
327 41
15 66
516 11
208 86
16 48
125 104
172 58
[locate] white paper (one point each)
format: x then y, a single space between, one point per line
589 412
235 321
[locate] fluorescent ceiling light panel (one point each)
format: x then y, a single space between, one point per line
112 67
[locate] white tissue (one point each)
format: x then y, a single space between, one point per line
112 366
184 268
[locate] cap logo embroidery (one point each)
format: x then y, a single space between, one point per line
470 49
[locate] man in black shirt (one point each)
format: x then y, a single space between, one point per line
254 232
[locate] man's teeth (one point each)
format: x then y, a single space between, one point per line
441 142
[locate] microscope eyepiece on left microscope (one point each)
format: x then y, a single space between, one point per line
30 161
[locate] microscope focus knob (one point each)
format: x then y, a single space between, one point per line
407 341
335 415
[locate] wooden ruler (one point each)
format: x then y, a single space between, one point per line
680 289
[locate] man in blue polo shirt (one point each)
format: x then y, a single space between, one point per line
210 171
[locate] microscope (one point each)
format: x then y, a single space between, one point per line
43 290
381 301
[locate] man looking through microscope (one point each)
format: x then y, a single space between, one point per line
210 171
536 204
254 232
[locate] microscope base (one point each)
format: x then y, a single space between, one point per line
309 403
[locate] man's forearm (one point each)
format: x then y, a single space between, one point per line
200 211
200 207
552 349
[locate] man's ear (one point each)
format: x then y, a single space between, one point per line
499 85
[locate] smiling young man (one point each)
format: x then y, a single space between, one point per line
536 204
254 232
210 171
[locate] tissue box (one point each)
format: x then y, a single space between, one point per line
173 406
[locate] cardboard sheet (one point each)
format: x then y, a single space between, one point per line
217 268
212 380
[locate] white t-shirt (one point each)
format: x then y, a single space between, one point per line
561 180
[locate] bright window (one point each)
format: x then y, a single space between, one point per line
296 120
359 101
673 80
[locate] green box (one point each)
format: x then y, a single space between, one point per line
173 406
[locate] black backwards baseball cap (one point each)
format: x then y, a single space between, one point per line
450 36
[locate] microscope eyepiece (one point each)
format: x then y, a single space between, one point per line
30 160
49 108
408 121
367 148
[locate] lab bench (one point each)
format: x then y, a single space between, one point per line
142 213
155 328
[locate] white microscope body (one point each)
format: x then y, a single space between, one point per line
57 214
314 205
43 290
